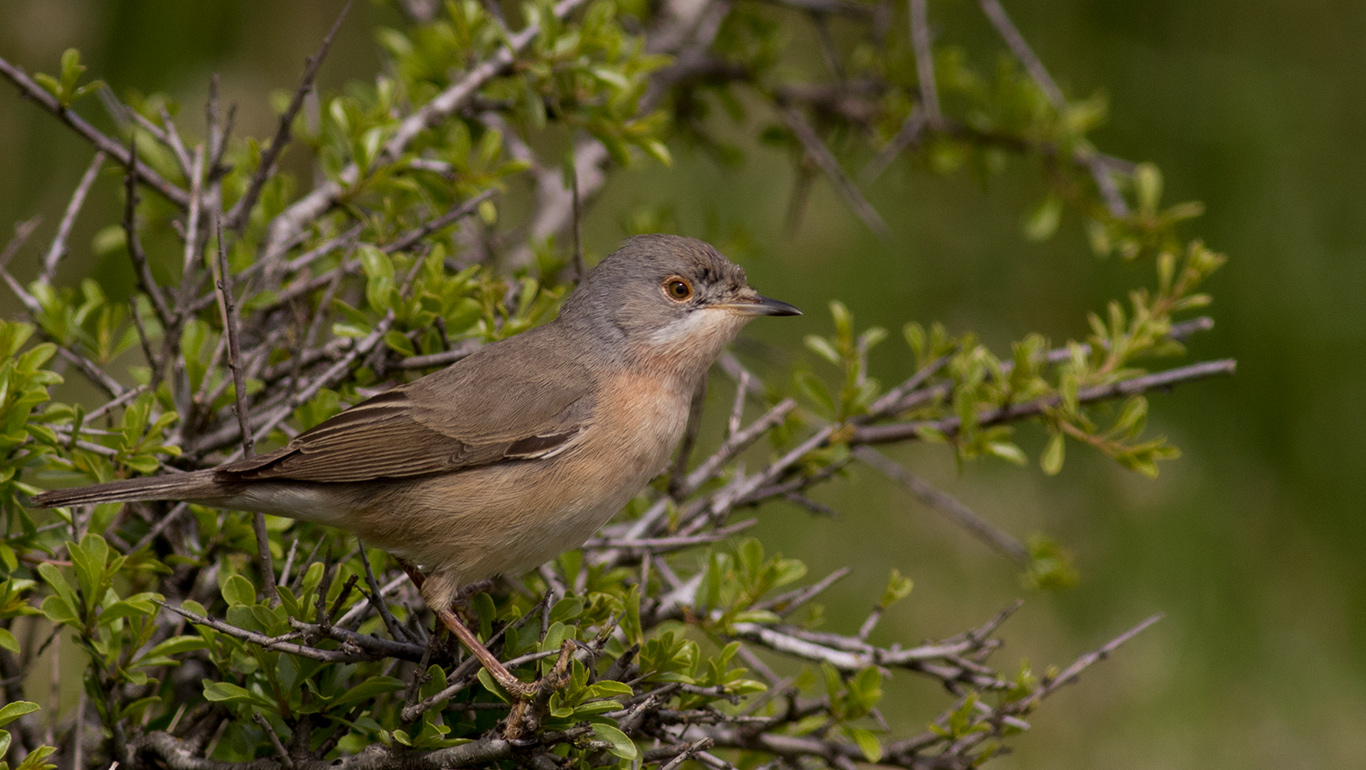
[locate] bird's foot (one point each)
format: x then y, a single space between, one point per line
531 700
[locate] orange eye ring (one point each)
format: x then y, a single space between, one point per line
677 288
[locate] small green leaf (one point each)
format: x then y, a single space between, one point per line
13 711
898 588
822 347
227 692
371 687
1148 186
35 759
618 743
867 743
238 590
1052 458
1043 221
1008 452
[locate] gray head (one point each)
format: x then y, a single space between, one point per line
666 300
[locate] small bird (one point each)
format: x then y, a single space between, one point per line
513 454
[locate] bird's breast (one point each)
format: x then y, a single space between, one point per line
640 419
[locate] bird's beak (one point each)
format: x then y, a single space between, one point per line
759 305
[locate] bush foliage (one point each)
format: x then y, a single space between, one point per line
435 209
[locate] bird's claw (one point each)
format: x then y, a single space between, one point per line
531 700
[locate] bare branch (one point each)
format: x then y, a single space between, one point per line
961 515
827 162
924 63
411 238
876 434
122 156
58 248
146 282
228 305
1018 46
22 231
237 217
286 227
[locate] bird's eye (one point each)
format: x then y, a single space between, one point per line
678 289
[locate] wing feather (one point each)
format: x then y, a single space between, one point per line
495 406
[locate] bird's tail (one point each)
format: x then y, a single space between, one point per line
196 485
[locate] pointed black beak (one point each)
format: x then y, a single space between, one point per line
759 305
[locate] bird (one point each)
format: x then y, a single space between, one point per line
513 454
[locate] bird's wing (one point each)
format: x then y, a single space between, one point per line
495 406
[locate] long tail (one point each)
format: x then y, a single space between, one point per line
196 485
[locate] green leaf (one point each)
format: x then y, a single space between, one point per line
227 692
1148 186
175 646
238 590
618 743
35 759
1008 452
822 347
608 688
371 687
8 642
1043 221
13 711
1052 458
898 588
867 742
58 610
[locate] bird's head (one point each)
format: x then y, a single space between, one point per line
668 301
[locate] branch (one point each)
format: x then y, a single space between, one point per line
282 643
22 231
902 431
228 304
287 226
961 515
241 211
135 252
58 248
830 165
924 63
415 236
1100 169
999 19
147 176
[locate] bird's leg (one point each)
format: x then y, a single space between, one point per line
516 688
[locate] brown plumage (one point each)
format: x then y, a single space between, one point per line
515 453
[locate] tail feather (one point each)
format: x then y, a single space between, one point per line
197 485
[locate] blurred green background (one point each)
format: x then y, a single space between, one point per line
1252 543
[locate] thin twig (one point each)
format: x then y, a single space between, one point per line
237 217
999 19
827 162
122 156
876 434
291 222
22 231
228 304
924 63
58 248
959 513
147 283
413 237
573 173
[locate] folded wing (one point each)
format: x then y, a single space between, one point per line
491 407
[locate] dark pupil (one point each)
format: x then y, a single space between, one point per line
679 289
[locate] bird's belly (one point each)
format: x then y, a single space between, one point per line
511 517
